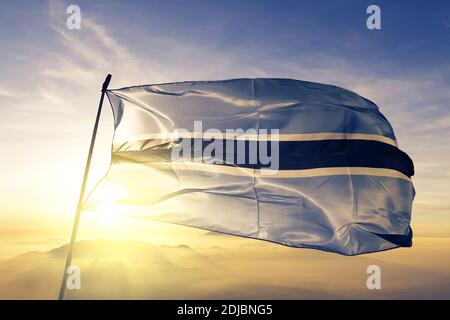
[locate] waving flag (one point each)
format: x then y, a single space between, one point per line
302 164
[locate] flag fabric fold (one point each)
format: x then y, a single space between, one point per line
336 179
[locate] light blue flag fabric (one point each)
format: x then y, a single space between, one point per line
302 164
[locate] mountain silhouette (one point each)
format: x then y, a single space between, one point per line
254 269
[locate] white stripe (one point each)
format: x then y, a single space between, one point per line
304 173
250 137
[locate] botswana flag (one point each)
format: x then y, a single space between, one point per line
302 164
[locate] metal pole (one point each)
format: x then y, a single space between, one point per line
83 189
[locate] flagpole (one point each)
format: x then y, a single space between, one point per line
83 189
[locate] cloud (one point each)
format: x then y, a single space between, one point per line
6 92
86 54
138 270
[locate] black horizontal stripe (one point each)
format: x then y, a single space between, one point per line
293 155
398 239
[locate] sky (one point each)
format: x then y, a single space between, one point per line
50 81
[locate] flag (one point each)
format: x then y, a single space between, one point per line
298 163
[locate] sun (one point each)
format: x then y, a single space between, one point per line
104 205
108 213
